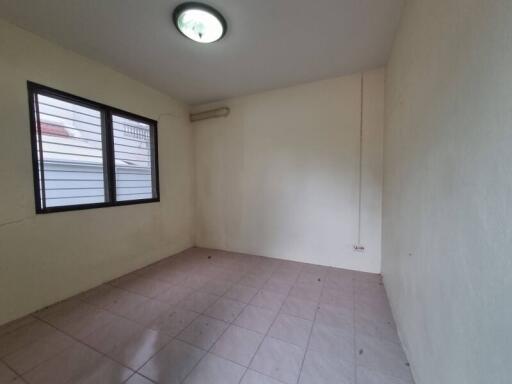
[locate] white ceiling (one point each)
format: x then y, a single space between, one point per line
269 44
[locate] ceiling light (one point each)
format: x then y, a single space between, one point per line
199 22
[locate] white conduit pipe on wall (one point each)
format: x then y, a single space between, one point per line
210 114
358 247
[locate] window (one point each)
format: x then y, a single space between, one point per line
89 155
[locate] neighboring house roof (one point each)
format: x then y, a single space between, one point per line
54 130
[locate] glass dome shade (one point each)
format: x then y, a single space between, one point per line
199 22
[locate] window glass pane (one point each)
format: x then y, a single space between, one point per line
70 144
133 151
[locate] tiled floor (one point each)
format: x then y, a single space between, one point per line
213 317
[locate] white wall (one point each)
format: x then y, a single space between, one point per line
46 258
447 223
279 176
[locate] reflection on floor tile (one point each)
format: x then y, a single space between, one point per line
208 316
215 370
173 363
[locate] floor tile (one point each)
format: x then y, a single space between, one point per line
34 354
105 371
60 307
333 316
314 279
238 345
255 281
229 276
198 301
374 310
278 286
382 357
256 318
110 336
23 336
173 321
147 312
299 308
285 275
142 286
174 294
70 365
13 325
337 298
136 351
81 320
320 368
269 300
315 269
306 292
365 376
279 360
333 342
203 332
225 309
194 280
111 298
342 284
215 370
216 287
133 319
291 329
125 302
7 376
253 377
173 363
367 277
100 296
340 274
138 379
241 293
362 287
384 330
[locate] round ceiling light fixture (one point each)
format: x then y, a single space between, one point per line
199 22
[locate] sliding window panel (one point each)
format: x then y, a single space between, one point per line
70 150
135 154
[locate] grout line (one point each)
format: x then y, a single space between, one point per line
18 375
360 192
270 327
79 342
356 352
91 347
312 326
225 330
243 271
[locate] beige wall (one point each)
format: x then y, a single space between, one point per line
279 176
447 222
45 258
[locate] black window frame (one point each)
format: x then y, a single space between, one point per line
107 113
